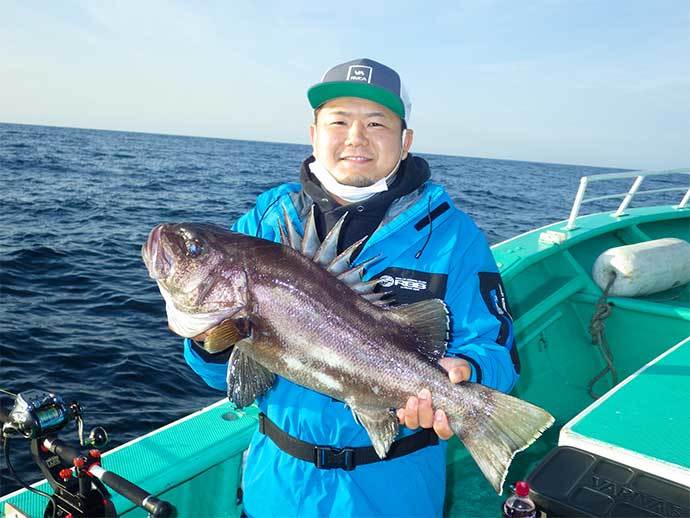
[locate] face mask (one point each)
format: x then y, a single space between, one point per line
350 193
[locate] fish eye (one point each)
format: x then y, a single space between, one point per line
193 248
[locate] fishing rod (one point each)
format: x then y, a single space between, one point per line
75 473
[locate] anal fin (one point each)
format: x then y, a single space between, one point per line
381 425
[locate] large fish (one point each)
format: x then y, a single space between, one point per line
300 311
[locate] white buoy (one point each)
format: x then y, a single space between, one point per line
644 268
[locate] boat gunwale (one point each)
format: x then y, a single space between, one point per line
532 251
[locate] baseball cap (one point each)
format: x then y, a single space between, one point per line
364 78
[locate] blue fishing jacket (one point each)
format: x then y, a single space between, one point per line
429 249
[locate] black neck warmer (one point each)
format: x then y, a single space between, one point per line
363 217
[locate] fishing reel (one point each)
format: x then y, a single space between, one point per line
37 414
74 473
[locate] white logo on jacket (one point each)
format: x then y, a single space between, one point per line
386 281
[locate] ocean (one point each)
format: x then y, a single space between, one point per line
79 315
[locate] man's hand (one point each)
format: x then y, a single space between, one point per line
419 412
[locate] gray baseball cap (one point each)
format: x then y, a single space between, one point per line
364 78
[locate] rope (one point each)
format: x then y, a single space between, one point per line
596 329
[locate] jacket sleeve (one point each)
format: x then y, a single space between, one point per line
481 323
211 368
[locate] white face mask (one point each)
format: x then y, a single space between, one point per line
350 193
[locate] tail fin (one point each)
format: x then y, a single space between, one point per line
499 428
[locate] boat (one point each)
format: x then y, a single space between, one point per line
621 397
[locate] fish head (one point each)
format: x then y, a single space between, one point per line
200 273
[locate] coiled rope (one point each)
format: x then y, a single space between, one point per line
596 329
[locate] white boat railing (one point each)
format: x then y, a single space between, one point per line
639 177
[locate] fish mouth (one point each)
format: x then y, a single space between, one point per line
188 323
156 258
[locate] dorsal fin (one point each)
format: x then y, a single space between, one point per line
294 239
325 254
430 320
328 250
310 239
364 288
342 262
354 274
378 298
284 239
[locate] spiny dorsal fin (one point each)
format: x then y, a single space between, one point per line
325 254
354 274
284 239
342 262
294 239
364 287
430 320
310 240
328 250
378 298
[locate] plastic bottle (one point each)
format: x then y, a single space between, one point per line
519 504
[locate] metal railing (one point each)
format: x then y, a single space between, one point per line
627 196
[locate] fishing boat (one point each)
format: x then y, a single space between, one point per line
613 370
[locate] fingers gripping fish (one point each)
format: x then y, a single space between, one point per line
302 311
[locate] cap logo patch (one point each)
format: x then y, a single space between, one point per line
359 73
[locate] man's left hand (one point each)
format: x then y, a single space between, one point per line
419 411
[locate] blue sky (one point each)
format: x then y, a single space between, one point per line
582 82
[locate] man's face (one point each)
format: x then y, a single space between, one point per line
358 141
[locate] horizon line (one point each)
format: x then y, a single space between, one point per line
308 145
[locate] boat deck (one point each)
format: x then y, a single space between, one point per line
200 454
644 422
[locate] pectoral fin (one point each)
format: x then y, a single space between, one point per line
246 378
222 336
381 425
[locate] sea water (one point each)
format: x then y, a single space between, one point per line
79 315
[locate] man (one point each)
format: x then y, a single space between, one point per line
361 165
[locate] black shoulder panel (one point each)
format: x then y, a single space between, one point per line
432 216
494 295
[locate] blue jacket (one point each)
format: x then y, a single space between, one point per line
447 258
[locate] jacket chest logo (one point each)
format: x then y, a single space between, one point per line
405 283
407 286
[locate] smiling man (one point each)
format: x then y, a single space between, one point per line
357 142
310 457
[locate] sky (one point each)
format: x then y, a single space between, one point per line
604 82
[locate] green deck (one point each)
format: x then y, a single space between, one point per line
552 299
653 403
196 464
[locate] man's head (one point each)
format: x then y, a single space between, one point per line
360 126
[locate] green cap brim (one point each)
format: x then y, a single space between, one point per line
323 92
